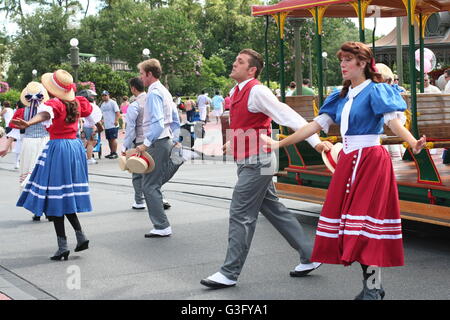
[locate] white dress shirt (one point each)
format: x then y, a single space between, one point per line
261 99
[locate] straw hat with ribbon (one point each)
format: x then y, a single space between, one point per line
385 71
60 84
137 164
32 96
331 157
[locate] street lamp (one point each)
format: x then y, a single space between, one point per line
34 73
74 57
92 59
146 53
325 68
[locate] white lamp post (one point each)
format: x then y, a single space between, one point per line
74 57
325 68
146 53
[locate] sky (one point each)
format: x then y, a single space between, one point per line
384 25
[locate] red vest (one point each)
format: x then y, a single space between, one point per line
246 126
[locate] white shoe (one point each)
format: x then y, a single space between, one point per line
92 161
154 233
303 269
220 278
138 206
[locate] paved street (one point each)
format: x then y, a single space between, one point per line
122 264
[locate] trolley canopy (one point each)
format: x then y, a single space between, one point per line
345 8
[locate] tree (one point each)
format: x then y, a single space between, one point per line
125 29
104 78
42 43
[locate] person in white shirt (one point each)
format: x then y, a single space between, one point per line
447 78
89 127
253 106
202 103
427 87
291 89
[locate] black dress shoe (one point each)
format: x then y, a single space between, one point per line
36 218
155 235
302 273
166 205
215 285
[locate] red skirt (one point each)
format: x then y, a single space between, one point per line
360 219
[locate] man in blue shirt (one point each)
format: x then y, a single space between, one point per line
158 135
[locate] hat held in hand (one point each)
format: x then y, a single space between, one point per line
138 164
331 157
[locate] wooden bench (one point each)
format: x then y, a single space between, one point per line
433 115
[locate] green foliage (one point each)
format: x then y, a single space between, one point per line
195 41
11 95
42 43
104 78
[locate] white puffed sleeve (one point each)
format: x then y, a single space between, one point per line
46 108
324 120
95 116
14 133
394 115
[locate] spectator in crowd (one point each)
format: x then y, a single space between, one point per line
90 128
447 82
291 91
306 88
428 87
217 102
202 103
111 115
123 111
189 106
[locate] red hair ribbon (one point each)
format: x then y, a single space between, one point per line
66 87
373 65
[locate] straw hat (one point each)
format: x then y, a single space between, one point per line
135 164
33 91
60 84
385 71
331 157
122 163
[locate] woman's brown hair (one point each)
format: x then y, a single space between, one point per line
361 52
71 111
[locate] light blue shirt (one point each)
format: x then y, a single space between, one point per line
131 117
175 125
217 102
153 117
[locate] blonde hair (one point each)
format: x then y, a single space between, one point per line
151 65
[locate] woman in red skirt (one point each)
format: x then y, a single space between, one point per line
360 219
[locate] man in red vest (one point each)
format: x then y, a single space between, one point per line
253 106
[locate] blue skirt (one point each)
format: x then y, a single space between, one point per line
59 182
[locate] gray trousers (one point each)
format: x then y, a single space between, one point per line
172 168
152 182
252 194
